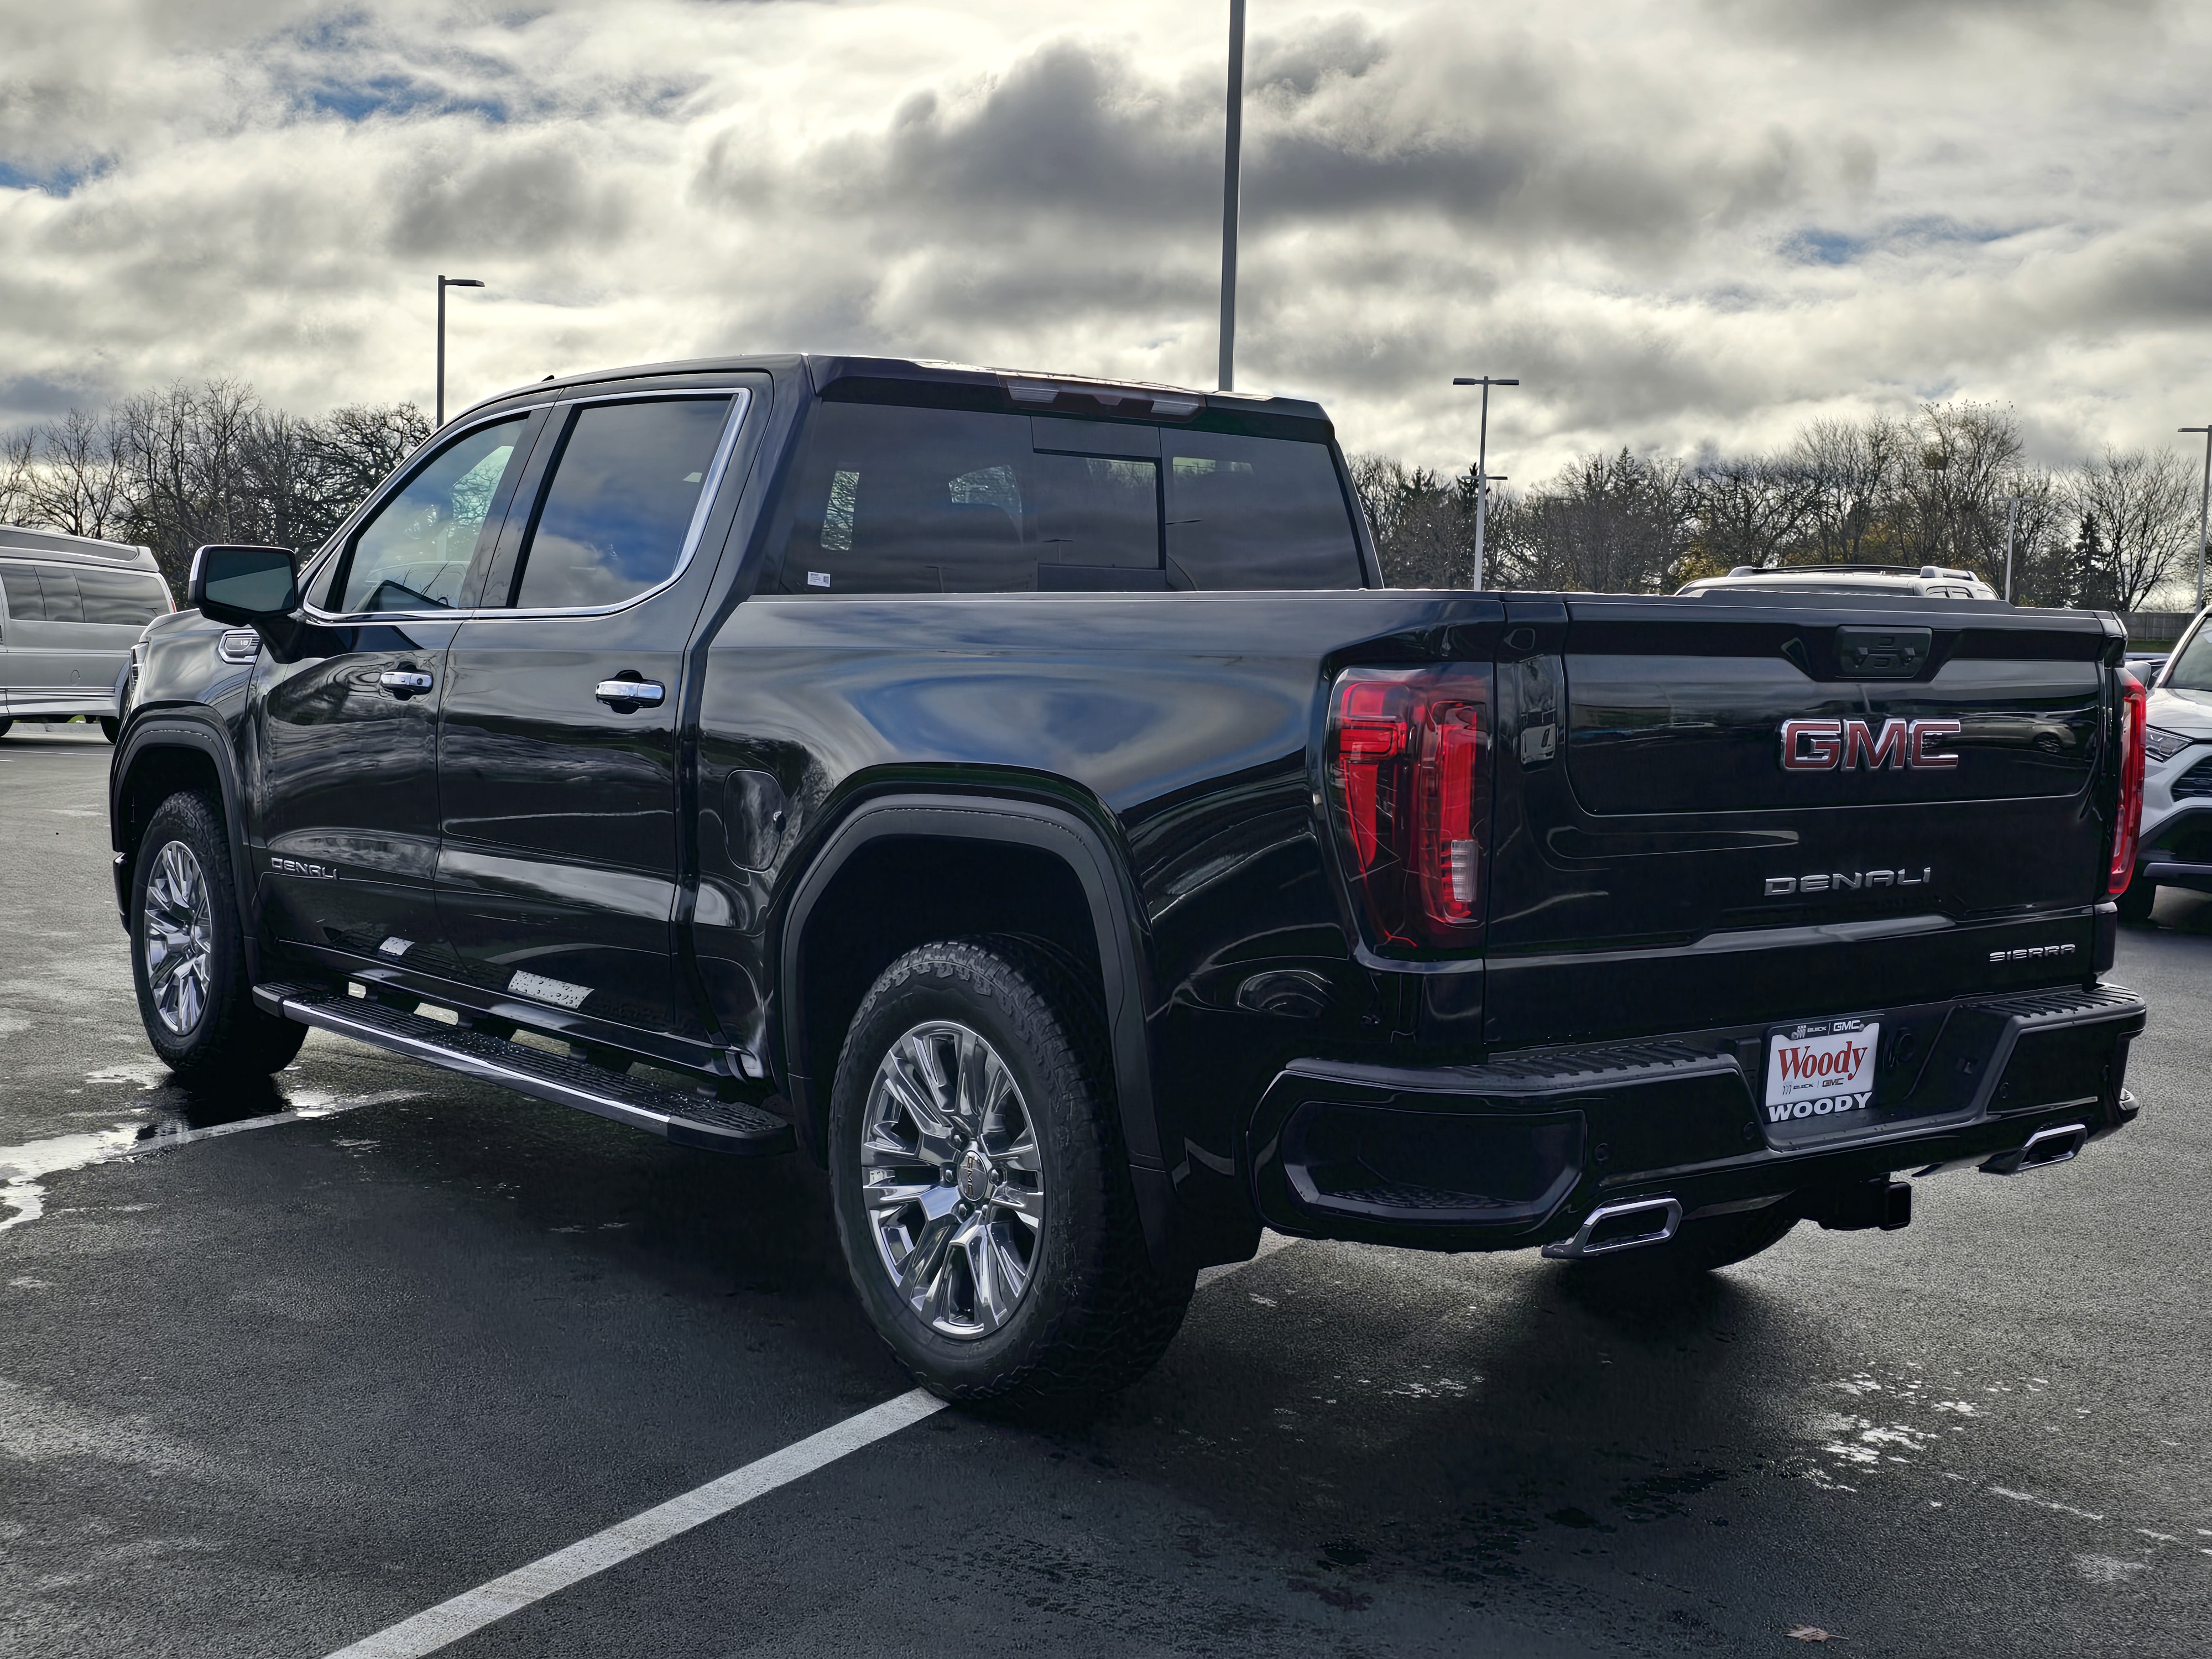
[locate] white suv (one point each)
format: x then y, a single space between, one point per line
2175 848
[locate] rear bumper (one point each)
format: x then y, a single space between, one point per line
1516 1152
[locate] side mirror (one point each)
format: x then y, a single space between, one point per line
244 585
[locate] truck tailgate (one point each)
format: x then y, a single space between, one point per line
1878 795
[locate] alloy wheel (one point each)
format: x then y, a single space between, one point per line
178 928
952 1179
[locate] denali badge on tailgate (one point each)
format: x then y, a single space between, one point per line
1846 881
1820 1069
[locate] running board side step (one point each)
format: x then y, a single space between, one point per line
691 1120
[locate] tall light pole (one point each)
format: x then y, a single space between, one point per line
2203 509
445 282
1233 178
2012 522
1482 465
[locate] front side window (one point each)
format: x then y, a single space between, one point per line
414 553
1256 513
617 511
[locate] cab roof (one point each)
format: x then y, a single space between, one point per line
918 379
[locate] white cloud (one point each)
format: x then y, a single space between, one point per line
1680 224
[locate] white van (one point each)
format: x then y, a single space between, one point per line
71 609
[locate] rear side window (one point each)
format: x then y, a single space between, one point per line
1256 513
414 552
888 499
121 598
627 483
893 499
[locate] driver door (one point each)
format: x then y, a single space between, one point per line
347 750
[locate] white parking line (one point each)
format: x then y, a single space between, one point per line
449 1621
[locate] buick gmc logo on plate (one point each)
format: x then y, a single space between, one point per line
1817 745
1820 1069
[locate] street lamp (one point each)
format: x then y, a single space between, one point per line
1482 466
1232 173
2012 522
2203 509
445 282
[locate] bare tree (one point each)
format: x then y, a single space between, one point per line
1853 475
16 449
1966 456
78 484
1423 527
1618 524
2136 513
189 452
1753 510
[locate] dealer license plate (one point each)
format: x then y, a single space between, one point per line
1820 1074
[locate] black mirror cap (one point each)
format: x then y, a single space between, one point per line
242 585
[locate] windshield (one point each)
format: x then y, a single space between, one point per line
2192 669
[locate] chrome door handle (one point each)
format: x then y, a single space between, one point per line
642 694
404 682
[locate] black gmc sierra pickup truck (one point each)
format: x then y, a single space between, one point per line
1022 795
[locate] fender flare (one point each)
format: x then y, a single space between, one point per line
1124 961
200 734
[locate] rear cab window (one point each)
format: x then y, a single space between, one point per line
893 498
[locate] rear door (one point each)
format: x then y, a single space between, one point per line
1797 779
557 781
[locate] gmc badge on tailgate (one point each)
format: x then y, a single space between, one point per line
1811 745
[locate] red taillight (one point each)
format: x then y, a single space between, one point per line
2127 822
1410 798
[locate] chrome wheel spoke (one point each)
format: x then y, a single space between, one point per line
951 1181
1021 1202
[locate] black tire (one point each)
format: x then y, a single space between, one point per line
2136 901
1093 1314
216 1033
109 725
4 725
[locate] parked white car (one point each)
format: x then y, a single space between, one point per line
2175 848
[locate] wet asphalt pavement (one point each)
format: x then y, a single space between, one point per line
268 1392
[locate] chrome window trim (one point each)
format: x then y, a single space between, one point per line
740 399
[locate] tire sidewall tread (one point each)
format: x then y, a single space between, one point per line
1094 1314
233 1037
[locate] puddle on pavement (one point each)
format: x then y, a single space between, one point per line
170 1115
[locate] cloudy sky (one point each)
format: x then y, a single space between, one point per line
1682 223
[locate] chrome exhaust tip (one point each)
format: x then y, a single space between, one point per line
1628 1226
2055 1145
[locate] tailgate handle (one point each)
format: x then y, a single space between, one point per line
1882 654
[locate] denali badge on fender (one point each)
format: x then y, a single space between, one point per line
1809 745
